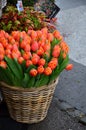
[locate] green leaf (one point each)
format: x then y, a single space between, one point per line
60 59
22 51
15 68
23 65
5 76
55 42
64 64
25 80
17 82
54 74
18 67
9 26
43 80
31 82
46 57
37 80
21 39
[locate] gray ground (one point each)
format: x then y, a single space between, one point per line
72 25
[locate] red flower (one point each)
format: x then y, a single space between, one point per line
33 72
69 67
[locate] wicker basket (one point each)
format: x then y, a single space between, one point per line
28 105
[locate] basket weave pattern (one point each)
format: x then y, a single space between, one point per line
28 105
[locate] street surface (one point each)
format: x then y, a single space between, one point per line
72 25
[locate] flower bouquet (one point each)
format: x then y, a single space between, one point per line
30 64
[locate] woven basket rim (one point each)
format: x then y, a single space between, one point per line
28 89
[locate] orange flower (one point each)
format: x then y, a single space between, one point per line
47 71
15 55
9 55
1 57
4 42
56 51
44 31
57 47
27 48
2 51
20 60
23 44
9 46
52 64
64 55
50 37
33 72
39 33
7 51
69 67
16 35
64 47
27 55
40 69
40 51
34 46
35 58
56 34
28 63
33 34
3 64
41 62
41 43
47 46
55 60
47 54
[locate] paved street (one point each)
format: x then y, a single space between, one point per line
72 25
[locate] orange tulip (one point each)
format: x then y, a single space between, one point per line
33 72
47 71
69 67
40 69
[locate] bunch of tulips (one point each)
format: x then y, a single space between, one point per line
32 58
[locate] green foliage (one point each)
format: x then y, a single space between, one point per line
14 70
6 76
11 20
14 67
55 42
43 80
16 75
31 83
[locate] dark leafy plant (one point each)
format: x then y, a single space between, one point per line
28 19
